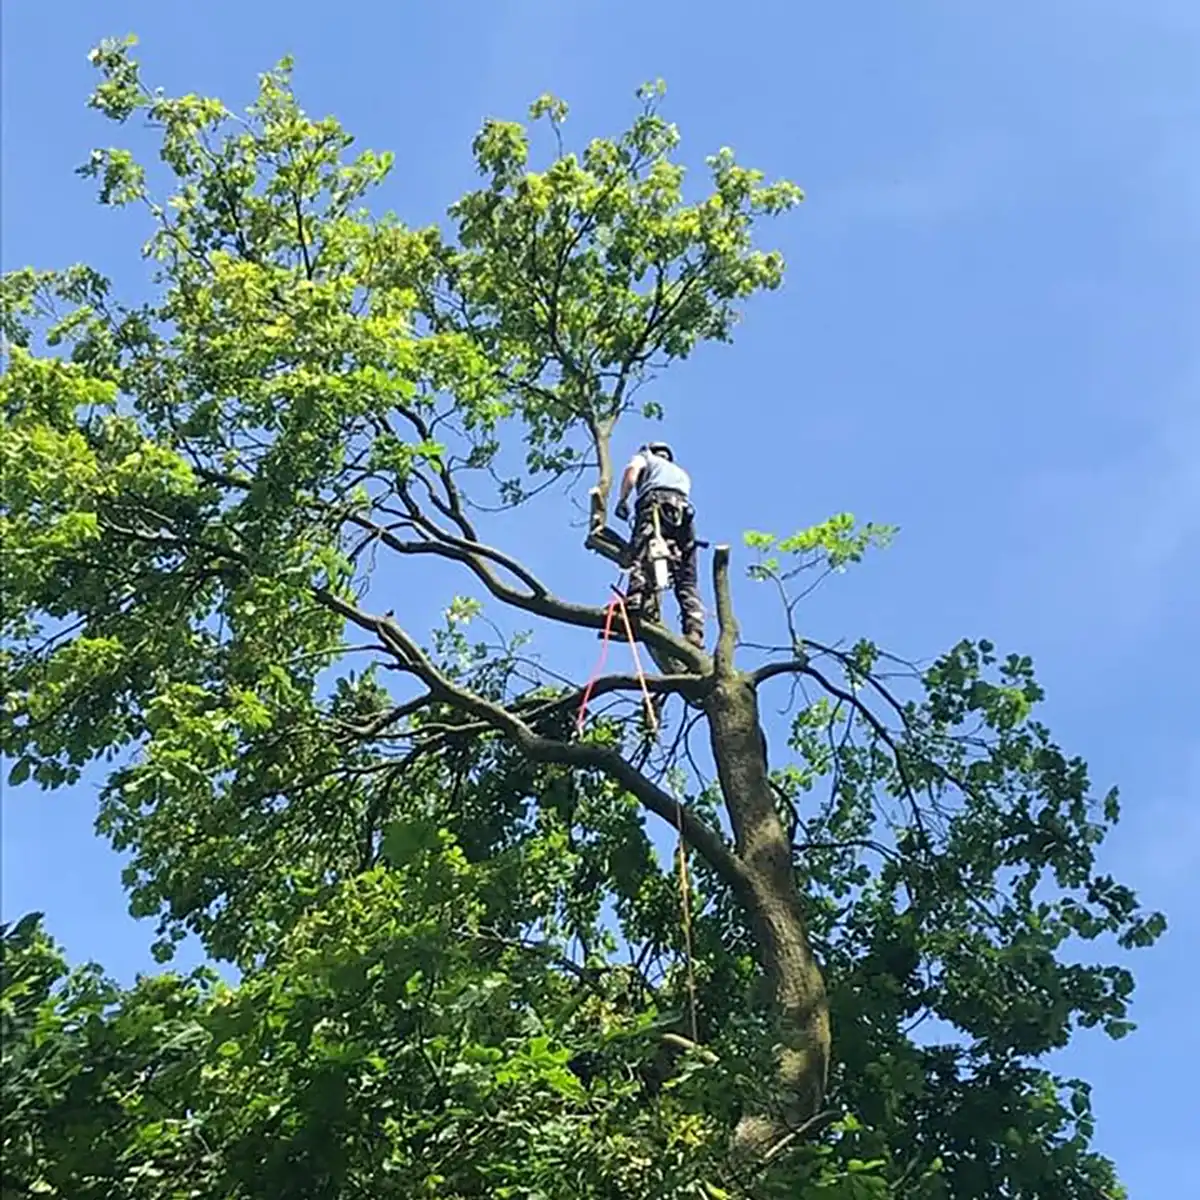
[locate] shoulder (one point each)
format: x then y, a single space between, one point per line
638 461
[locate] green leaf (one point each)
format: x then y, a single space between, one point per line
20 772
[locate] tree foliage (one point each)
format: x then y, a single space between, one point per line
466 968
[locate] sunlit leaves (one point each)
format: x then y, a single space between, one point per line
833 544
119 93
578 279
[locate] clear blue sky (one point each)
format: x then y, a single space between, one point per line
988 336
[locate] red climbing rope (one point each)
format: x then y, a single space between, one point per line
609 613
615 605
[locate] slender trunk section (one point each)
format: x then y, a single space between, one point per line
761 843
601 432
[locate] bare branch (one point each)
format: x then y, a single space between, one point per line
657 685
541 602
881 731
793 666
451 506
379 723
465 550
299 211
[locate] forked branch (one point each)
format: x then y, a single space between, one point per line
409 656
477 558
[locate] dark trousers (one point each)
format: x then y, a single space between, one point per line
677 525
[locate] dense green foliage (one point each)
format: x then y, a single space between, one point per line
464 970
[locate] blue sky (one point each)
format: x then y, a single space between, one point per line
988 336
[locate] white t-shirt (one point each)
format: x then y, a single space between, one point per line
659 472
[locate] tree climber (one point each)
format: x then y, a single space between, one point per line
663 488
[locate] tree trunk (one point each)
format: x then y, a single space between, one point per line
795 984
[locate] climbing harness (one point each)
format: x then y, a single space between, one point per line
602 539
617 605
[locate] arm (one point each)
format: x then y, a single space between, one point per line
637 464
629 479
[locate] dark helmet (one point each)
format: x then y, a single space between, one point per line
661 449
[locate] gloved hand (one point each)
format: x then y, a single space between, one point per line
622 509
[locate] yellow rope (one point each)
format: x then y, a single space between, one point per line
681 847
685 893
651 715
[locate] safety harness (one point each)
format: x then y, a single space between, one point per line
670 514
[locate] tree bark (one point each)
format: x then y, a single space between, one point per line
761 843
601 434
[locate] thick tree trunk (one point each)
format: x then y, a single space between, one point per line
796 987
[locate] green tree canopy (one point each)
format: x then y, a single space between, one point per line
466 970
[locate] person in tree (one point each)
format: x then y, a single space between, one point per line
663 487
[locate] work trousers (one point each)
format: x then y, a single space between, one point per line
676 523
